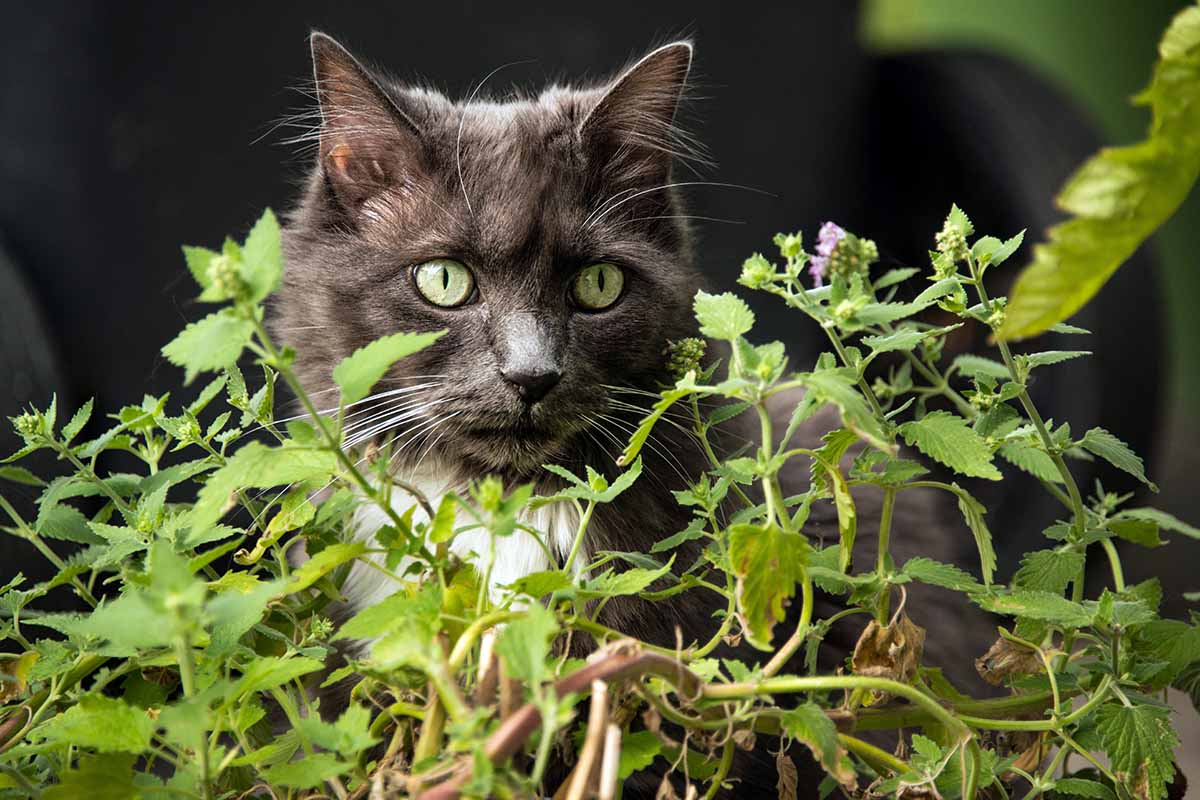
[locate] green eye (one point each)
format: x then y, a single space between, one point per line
444 282
598 286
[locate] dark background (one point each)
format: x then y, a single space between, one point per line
129 128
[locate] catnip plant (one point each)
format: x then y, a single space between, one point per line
198 667
195 671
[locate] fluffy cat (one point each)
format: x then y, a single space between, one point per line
545 236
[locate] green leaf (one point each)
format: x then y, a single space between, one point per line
382 618
323 563
262 257
1039 605
361 370
1023 455
978 365
903 339
1172 641
722 316
312 770
1102 443
768 562
442 528
959 220
349 735
1138 741
694 530
540 584
1162 519
638 751
1081 787
973 513
198 259
102 723
936 573
809 724
268 672
97 778
947 439
1120 196
212 343
669 398
258 466
1049 570
1049 357
525 644
839 386
21 475
631 581
80 418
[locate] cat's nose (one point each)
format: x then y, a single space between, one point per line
532 384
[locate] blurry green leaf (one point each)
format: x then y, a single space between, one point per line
361 370
1120 196
210 344
525 644
101 723
312 770
638 751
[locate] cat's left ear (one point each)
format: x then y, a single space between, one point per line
368 144
632 124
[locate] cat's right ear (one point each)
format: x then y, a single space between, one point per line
367 143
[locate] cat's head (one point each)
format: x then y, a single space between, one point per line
542 233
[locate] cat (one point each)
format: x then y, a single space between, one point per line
545 236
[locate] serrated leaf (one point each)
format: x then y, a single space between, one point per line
1102 443
936 573
1138 740
1039 605
722 316
946 438
1081 787
969 364
361 370
262 257
101 723
904 339
1048 357
312 770
258 466
525 644
1049 570
77 421
1026 457
323 563
1162 519
409 604
268 672
638 751
809 724
768 562
212 343
631 581
694 530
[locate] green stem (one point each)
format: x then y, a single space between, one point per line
862 382
577 545
1114 561
30 535
883 555
187 677
718 777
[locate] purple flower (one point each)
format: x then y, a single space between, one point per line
827 241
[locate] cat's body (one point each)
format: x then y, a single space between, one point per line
532 202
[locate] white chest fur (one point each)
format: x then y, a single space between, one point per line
515 556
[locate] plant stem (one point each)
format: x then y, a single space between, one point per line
883 555
576 545
187 677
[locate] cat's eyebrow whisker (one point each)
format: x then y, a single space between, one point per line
613 206
462 122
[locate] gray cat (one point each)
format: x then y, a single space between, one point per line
544 234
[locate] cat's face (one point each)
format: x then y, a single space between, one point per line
540 233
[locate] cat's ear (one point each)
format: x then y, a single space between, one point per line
367 143
632 125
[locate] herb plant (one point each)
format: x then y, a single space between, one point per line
194 672
200 627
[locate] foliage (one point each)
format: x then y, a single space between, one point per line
198 668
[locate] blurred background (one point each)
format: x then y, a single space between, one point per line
128 128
